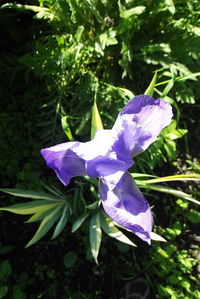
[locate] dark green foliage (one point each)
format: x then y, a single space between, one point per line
56 57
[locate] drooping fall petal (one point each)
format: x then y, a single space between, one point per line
126 205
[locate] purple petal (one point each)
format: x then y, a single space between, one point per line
64 161
126 205
142 120
97 157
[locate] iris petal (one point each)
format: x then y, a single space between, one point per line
109 155
149 117
94 158
64 161
126 205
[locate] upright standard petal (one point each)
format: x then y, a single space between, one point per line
143 118
94 158
126 205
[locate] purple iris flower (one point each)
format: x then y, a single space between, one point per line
109 156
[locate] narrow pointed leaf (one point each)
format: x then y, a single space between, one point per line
61 223
39 215
95 236
156 237
178 177
96 120
45 225
53 190
168 190
37 206
66 128
149 91
112 231
30 194
138 175
79 222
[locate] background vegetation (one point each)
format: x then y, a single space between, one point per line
56 57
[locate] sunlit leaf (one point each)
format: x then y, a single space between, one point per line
31 194
112 231
38 216
170 147
138 175
178 177
45 225
126 13
150 89
156 237
95 235
180 78
168 190
37 206
66 128
178 133
42 12
170 6
96 120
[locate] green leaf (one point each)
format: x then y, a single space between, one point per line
167 88
170 128
42 12
178 177
5 270
39 215
66 128
95 235
37 206
193 216
180 78
112 231
107 38
6 249
93 206
129 94
78 222
62 222
3 291
96 120
126 13
30 194
156 237
170 6
138 175
168 190
149 91
70 259
45 225
170 147
91 6
175 134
